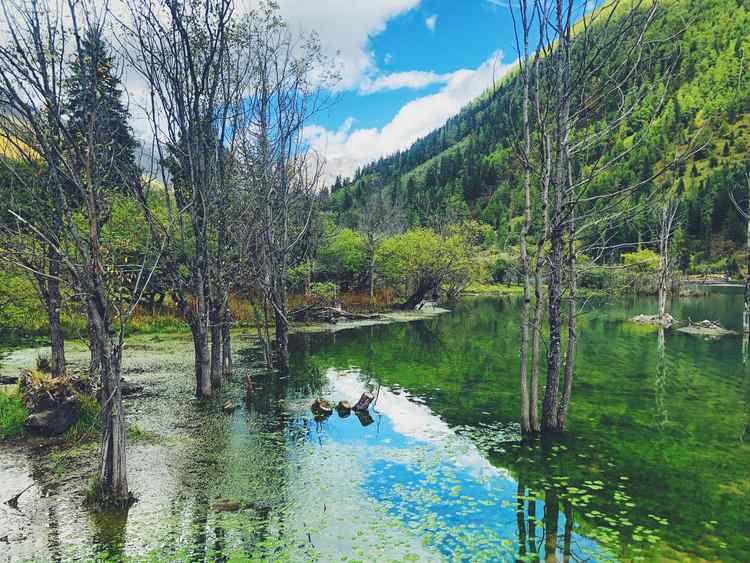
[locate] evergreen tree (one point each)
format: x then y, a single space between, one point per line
95 92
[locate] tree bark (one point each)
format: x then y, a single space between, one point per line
113 479
54 304
226 343
216 320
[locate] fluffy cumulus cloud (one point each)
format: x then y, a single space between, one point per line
431 22
345 27
349 147
411 79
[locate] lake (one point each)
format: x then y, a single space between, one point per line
656 463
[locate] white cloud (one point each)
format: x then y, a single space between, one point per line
345 28
431 22
348 148
411 79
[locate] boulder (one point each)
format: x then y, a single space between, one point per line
55 420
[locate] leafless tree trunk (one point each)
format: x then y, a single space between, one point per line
666 227
184 52
525 154
40 38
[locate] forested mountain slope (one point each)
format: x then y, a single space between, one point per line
469 165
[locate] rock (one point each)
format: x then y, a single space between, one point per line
364 402
56 420
667 322
229 407
8 379
226 505
344 408
321 408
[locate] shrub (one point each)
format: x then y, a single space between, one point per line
323 291
594 277
12 416
504 269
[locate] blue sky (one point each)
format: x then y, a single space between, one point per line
406 66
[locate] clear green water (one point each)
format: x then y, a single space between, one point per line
656 465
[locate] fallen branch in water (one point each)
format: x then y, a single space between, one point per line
13 501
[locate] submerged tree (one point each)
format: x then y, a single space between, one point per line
184 53
40 39
279 172
582 96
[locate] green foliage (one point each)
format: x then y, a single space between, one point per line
12 416
420 256
504 269
323 291
343 255
644 260
595 277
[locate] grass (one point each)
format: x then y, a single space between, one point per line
89 423
12 416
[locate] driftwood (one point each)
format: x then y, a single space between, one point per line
318 313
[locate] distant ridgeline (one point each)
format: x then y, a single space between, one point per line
469 165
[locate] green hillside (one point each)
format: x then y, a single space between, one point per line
469 165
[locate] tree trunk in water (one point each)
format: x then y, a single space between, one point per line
200 327
54 304
226 343
570 354
216 320
551 518
550 404
113 478
282 341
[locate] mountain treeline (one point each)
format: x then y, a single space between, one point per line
470 167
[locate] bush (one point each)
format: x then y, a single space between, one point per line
323 291
504 270
12 416
594 277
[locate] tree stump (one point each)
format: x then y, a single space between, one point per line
364 402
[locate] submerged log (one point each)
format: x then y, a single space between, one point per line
364 402
318 313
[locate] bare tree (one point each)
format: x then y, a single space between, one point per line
43 38
183 51
668 213
581 96
377 219
285 89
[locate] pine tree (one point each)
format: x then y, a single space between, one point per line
95 92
